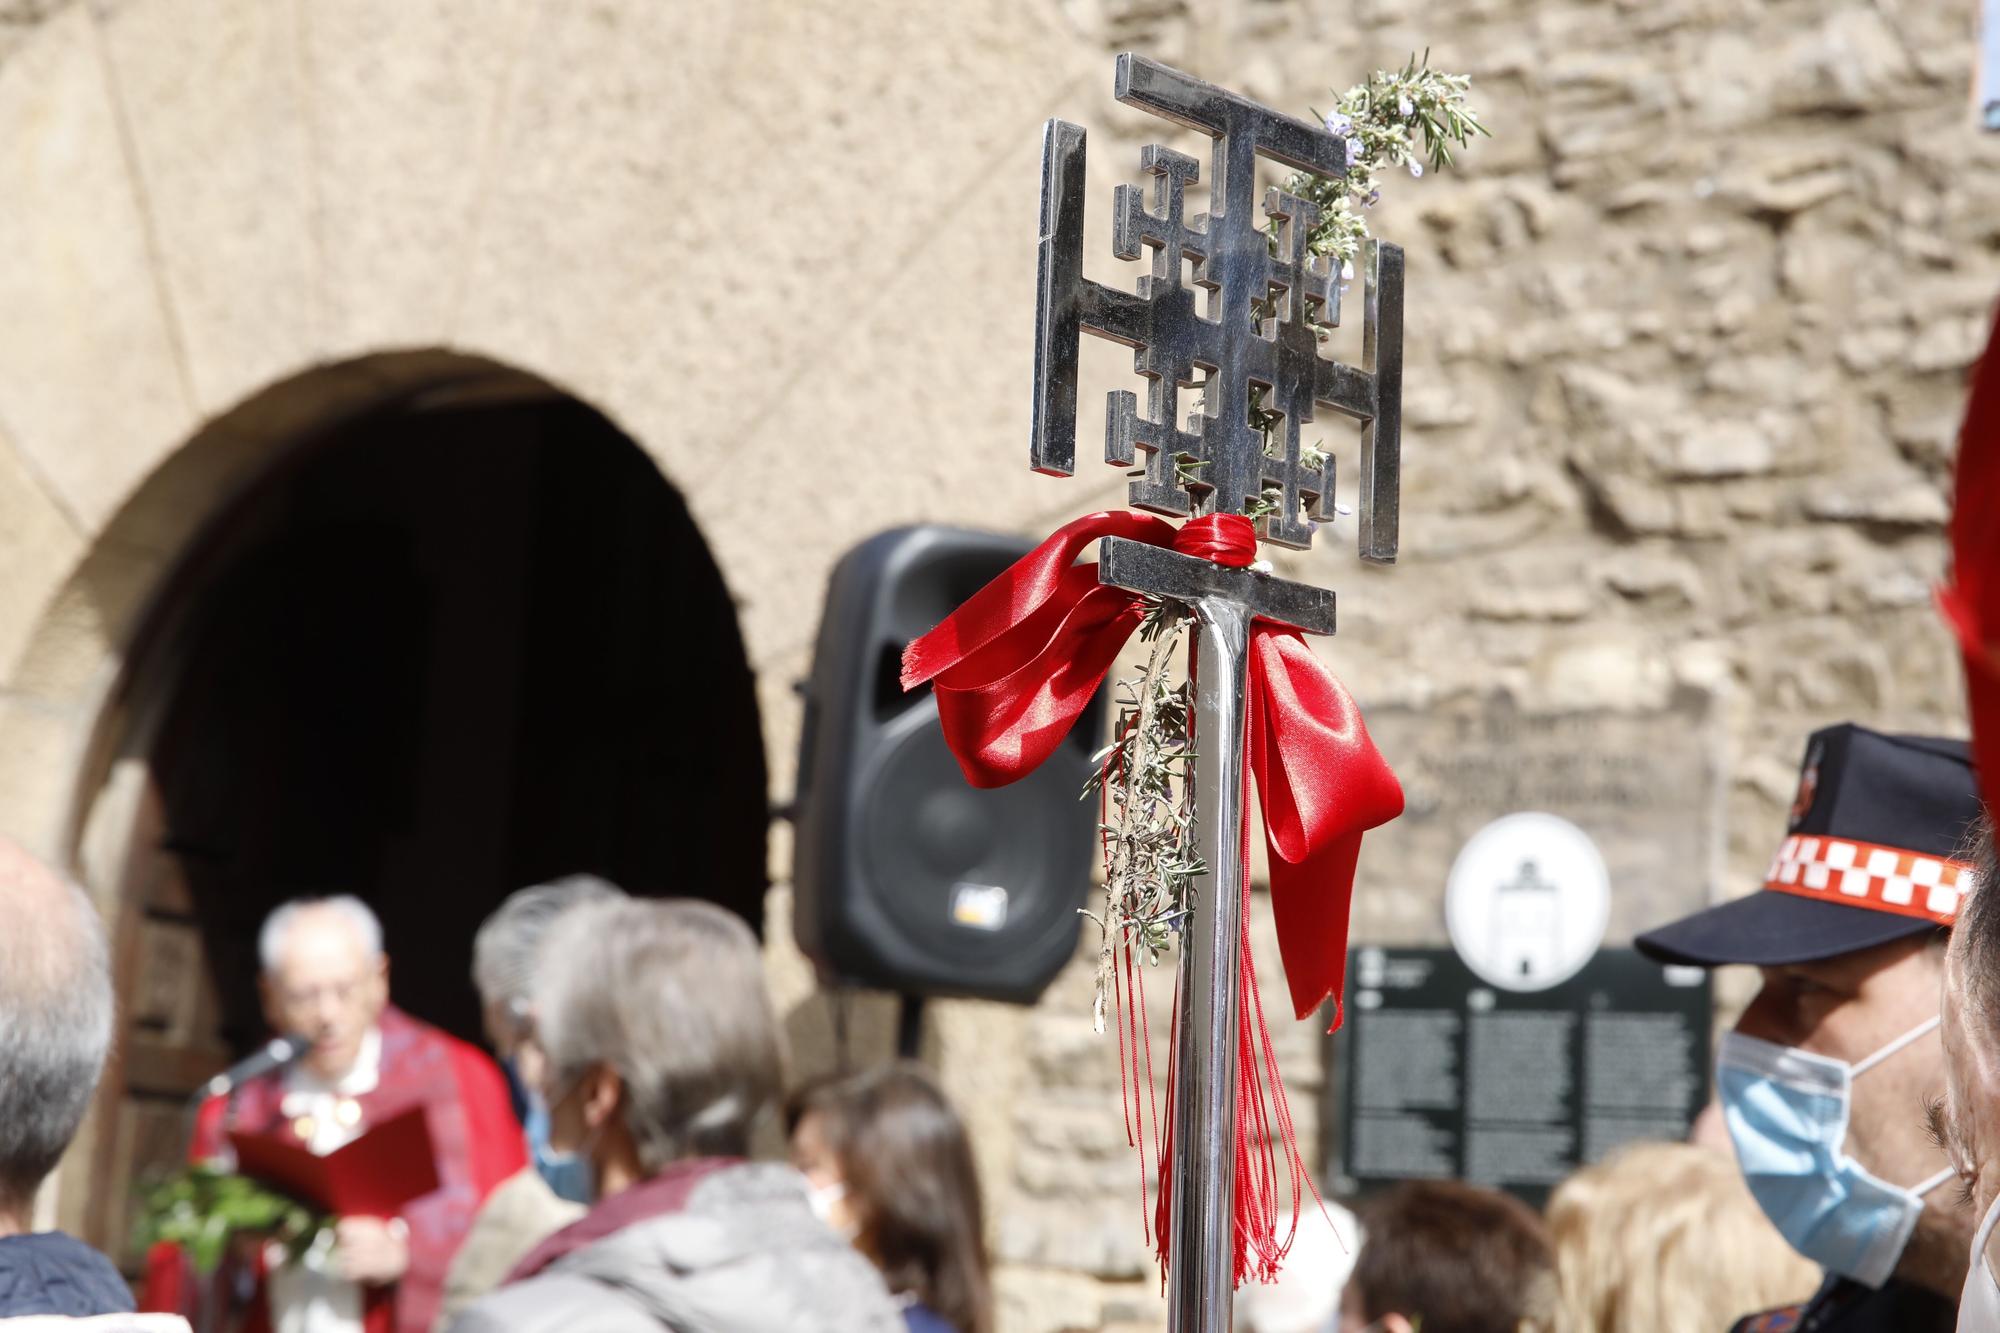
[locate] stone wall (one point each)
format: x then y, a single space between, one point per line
1686 344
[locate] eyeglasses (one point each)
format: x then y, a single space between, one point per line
341 993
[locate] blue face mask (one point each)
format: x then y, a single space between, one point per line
1787 1113
566 1173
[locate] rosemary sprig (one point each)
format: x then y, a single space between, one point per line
1144 777
1381 121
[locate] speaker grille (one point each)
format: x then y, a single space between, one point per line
906 876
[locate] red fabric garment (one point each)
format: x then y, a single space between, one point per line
1971 600
173 1287
664 1193
471 1120
1015 666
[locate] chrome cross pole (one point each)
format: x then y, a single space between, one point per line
1267 300
1201 1239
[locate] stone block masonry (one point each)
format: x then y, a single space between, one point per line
1686 350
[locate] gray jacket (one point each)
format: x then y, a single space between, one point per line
746 1255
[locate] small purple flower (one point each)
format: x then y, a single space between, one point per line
1339 125
1373 198
1416 167
1355 150
1403 107
1347 272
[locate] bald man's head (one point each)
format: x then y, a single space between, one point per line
55 1019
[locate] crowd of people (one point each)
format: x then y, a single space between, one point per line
603 1174
618 1167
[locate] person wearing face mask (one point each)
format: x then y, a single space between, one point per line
662 1061
891 1169
1822 1077
551 1191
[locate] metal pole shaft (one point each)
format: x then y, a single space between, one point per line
1202 1244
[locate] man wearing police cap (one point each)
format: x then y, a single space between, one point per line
1824 1079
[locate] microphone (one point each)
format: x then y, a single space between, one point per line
274 1054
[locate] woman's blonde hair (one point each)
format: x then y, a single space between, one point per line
1665 1238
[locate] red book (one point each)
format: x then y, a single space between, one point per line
374 1176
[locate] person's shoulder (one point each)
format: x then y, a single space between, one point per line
1894 1307
401 1027
554 1302
410 1043
1844 1306
53 1273
99 1323
745 1232
521 1211
526 1194
465 1058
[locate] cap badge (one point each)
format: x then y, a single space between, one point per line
1808 788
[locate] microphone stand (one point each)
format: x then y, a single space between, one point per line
231 1288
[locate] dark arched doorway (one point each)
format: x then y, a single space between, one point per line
450 647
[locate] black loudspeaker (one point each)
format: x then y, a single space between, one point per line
906 877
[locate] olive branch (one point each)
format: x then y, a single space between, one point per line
1145 779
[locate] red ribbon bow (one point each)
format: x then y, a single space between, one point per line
1015 666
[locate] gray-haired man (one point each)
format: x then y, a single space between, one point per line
326 978
55 1026
550 1192
662 1055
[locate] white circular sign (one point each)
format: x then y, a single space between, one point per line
1527 901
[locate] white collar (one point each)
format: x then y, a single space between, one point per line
363 1076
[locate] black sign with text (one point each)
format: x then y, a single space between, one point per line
1437 1075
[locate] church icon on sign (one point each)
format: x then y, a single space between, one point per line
1527 901
1526 924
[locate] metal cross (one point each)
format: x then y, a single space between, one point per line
1218 462
1258 330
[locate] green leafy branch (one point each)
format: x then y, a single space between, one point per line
200 1207
1396 118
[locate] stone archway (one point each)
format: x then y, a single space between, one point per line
441 641
782 284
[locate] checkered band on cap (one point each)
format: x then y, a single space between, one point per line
1866 874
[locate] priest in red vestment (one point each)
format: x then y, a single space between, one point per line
325 978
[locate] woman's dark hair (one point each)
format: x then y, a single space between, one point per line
912 1185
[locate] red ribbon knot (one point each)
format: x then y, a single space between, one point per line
1016 665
